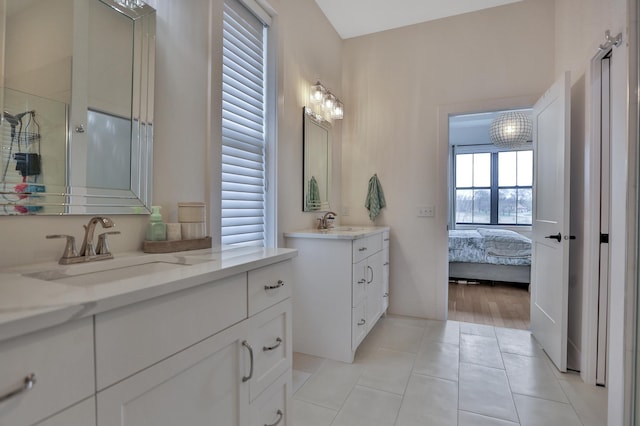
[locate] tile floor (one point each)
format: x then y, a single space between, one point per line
411 371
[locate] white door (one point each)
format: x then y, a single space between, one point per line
550 251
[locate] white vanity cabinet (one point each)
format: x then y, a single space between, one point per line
186 370
199 353
341 288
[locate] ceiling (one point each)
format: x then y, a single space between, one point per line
473 129
353 18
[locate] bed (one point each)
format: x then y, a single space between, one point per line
489 255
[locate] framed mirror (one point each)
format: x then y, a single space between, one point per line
76 134
316 163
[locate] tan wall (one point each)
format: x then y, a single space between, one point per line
310 50
395 83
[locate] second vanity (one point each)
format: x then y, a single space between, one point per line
190 338
342 288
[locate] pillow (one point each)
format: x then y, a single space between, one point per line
503 242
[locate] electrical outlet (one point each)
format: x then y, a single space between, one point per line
345 210
426 211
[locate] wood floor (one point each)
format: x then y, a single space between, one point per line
501 305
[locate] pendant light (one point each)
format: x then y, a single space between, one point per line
511 130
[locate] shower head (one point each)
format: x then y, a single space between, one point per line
14 121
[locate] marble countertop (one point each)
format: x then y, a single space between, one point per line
34 297
349 232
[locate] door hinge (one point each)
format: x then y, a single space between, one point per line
604 238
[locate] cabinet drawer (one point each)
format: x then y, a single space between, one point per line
269 285
365 247
61 359
358 324
270 337
135 336
271 408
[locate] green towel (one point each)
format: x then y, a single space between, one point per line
313 195
375 198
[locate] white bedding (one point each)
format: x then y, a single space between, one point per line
494 246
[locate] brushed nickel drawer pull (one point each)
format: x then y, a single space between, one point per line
362 281
270 348
246 345
273 287
362 322
280 416
362 249
26 386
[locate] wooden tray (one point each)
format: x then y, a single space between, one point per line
179 245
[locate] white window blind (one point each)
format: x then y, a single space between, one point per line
243 127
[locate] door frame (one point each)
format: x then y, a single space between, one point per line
444 181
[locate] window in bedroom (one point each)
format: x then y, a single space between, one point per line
492 187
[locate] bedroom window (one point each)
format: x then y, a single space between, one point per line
493 187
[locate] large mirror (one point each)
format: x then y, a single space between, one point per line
317 163
76 133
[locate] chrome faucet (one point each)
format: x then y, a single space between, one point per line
323 222
87 251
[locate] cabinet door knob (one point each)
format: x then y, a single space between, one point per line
246 345
270 348
273 287
280 415
27 385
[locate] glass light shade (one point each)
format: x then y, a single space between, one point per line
317 93
511 129
131 4
328 102
338 110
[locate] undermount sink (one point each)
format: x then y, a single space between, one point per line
115 269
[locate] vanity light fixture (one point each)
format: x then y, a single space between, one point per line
338 110
325 105
511 129
317 93
131 4
328 102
